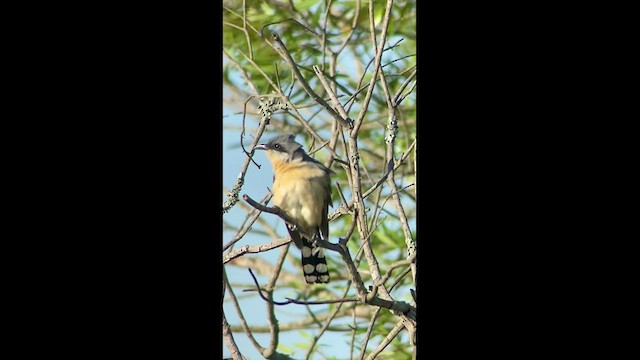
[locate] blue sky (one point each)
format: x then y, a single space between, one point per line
254 308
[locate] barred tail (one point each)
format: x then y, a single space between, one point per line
314 263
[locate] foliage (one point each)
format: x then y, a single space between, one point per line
336 37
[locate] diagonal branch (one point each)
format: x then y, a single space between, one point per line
235 190
367 337
228 338
387 340
344 117
284 53
376 67
294 110
243 321
254 249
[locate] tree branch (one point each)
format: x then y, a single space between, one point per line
387 340
284 53
243 322
254 249
228 338
383 39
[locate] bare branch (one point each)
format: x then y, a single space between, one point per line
369 166
324 32
244 27
353 335
235 190
294 301
387 340
293 109
397 281
402 87
273 321
407 94
228 338
263 267
397 264
367 336
328 322
289 19
254 249
284 53
385 176
376 67
240 17
362 312
272 210
354 24
244 229
243 322
344 117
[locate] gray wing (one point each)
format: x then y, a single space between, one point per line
324 226
295 236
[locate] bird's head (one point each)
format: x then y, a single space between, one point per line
282 148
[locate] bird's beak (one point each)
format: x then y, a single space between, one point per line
260 147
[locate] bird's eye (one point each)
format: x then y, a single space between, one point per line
276 146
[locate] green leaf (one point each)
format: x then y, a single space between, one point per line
306 335
304 4
285 349
266 9
378 13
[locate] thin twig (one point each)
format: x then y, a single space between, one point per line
378 57
254 249
387 340
244 27
407 94
240 17
397 281
354 24
242 230
243 321
294 110
272 210
362 312
294 301
402 87
228 338
235 190
324 32
284 53
344 201
289 19
396 265
353 335
344 119
360 89
367 336
273 320
325 326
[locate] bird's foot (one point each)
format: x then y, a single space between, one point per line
314 240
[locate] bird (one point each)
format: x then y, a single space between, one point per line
302 189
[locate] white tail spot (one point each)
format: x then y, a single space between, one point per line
322 268
306 251
308 269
